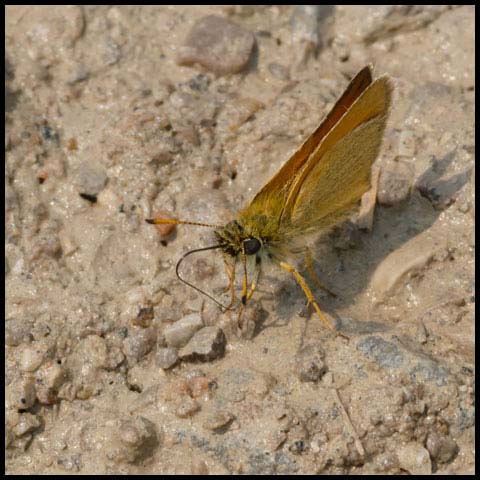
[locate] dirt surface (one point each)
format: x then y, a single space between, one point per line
117 114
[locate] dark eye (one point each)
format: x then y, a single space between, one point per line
252 245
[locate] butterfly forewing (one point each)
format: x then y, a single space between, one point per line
270 200
325 170
329 178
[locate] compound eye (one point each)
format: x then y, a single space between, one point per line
251 246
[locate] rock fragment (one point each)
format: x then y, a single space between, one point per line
179 333
414 459
441 448
310 366
138 439
139 343
395 184
207 344
218 45
166 357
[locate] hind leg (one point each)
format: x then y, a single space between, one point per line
313 276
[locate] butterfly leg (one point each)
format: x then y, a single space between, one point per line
307 292
313 276
231 277
246 296
245 279
258 269
244 291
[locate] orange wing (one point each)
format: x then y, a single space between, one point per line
270 200
338 171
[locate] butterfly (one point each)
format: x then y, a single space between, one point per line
317 188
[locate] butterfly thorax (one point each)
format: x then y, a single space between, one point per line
245 235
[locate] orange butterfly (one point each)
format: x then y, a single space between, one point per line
318 187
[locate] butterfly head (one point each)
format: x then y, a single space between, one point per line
234 240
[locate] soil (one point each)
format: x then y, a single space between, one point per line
117 114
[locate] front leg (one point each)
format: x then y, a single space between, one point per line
253 285
231 277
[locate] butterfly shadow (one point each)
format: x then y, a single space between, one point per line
346 259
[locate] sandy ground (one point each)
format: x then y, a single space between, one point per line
115 114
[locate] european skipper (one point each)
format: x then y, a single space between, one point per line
318 187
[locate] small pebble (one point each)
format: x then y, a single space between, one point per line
136 296
77 73
188 134
179 333
187 407
114 358
386 462
49 379
279 71
27 423
144 317
41 329
239 111
207 344
17 331
309 363
175 390
32 357
314 446
200 386
22 393
234 383
67 243
298 446
72 144
112 52
275 439
166 357
304 23
218 45
414 459
52 375
421 333
442 448
341 48
48 133
47 243
463 206
194 374
218 419
139 343
91 179
138 437
70 463
199 83
252 318
395 184
198 467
